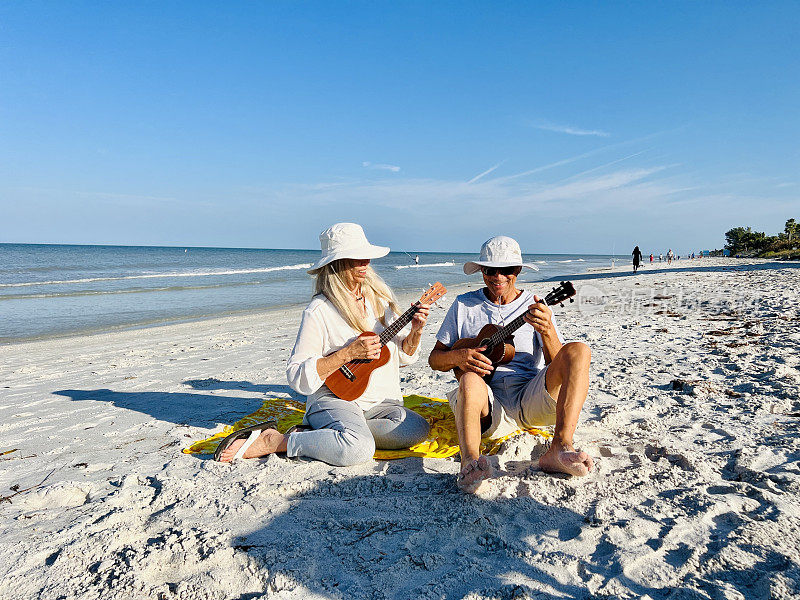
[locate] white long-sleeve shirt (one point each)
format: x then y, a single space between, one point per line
323 331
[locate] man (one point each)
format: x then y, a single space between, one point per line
545 384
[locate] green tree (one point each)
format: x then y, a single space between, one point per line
744 240
791 229
738 239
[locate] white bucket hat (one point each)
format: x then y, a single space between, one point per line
499 251
345 240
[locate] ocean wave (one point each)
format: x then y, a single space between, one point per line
139 290
160 276
444 264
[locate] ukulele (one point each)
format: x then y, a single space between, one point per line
350 380
499 341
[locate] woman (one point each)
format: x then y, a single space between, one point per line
349 299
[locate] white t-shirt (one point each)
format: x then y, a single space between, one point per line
323 331
473 310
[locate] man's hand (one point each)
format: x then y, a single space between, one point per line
364 347
540 317
471 359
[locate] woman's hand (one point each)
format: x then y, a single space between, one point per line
364 347
420 317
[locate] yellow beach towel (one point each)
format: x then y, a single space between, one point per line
442 441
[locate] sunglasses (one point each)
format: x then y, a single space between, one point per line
492 271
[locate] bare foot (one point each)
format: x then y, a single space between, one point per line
473 475
566 460
269 442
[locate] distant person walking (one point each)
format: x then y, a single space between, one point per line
416 259
670 256
637 258
660 257
651 258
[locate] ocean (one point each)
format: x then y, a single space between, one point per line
53 290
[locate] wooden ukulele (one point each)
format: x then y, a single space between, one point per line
350 380
499 341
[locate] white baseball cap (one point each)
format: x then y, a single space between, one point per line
345 240
499 251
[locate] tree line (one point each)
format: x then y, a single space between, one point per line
745 241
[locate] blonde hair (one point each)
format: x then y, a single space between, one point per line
330 282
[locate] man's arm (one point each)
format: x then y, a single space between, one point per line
540 317
551 346
442 358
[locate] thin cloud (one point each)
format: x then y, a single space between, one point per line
570 130
516 197
606 165
558 163
380 167
594 152
485 173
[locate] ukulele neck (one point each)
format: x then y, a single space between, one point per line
504 332
403 320
501 334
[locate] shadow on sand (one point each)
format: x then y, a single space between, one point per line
644 271
409 534
195 409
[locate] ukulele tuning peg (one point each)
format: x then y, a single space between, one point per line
562 305
571 300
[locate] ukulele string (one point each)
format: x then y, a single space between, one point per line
358 364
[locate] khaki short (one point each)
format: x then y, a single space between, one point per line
515 403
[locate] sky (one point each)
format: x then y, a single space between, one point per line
573 127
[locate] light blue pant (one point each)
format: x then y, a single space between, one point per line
345 435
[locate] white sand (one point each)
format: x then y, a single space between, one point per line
695 494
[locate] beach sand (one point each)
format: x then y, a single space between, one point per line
692 419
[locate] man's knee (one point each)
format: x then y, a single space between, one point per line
471 382
576 353
473 391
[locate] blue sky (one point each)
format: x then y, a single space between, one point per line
574 127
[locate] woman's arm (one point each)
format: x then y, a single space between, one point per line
411 342
308 368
